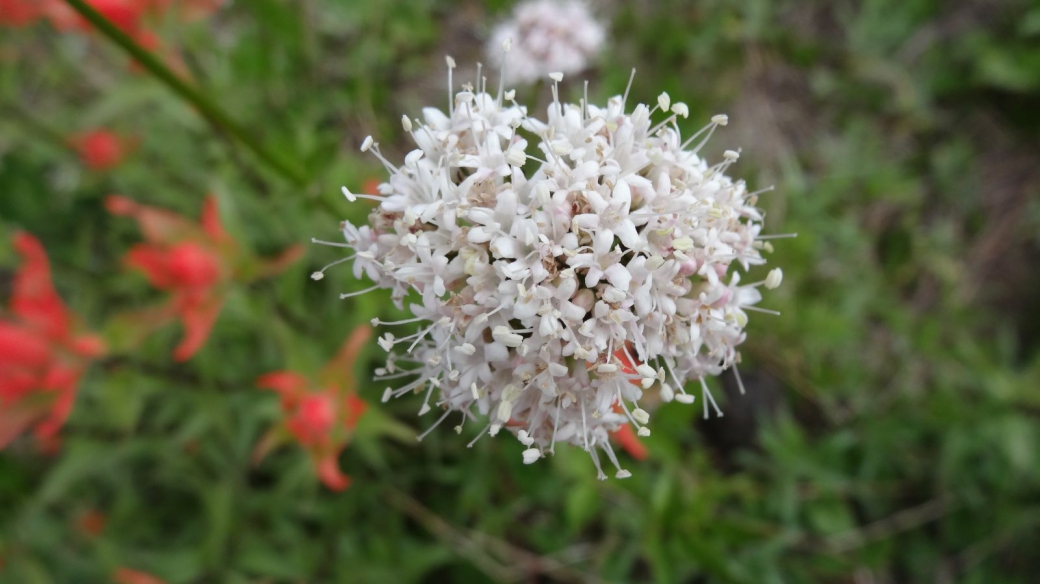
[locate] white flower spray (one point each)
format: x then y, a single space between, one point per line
547 36
552 290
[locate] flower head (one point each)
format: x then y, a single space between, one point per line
100 149
42 353
552 291
320 414
196 262
546 36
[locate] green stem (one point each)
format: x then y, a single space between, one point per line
209 110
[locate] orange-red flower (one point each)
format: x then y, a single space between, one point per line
320 414
196 262
42 354
100 149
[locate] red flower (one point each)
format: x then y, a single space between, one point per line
320 416
100 149
41 357
128 576
196 262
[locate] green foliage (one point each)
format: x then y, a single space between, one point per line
890 432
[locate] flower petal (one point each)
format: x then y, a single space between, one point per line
330 474
22 347
340 370
198 319
353 408
288 384
154 261
157 225
210 220
281 262
33 298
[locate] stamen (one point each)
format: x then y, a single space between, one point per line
321 273
624 99
763 310
420 437
740 382
621 473
331 243
709 398
600 475
556 423
506 46
482 432
451 88
359 292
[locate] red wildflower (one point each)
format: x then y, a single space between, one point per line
41 357
321 420
196 262
128 576
100 149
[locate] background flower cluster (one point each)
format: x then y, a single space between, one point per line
180 401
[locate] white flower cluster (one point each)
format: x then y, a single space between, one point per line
547 36
555 287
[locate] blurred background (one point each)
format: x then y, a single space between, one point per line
891 428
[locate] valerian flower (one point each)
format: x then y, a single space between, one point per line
43 352
320 414
196 262
546 36
553 289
